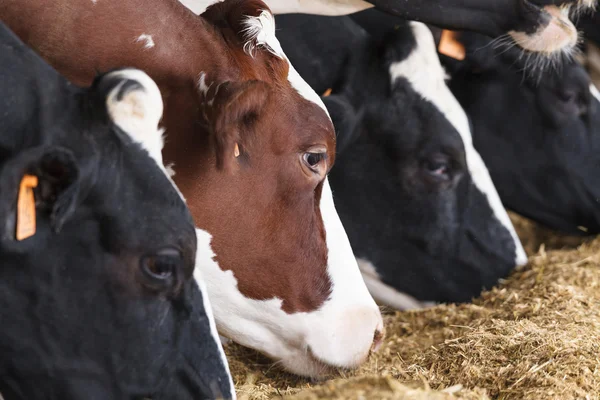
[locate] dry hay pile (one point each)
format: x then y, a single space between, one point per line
535 336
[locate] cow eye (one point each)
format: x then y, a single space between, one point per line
438 166
314 160
160 269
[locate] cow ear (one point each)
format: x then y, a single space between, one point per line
51 172
134 103
345 118
231 115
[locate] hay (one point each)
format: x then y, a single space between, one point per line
382 388
535 336
533 236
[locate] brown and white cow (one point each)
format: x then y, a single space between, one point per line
252 144
540 26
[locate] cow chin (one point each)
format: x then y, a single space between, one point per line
341 333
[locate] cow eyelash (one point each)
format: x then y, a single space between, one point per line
313 159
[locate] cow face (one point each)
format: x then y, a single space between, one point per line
538 137
416 199
284 279
99 302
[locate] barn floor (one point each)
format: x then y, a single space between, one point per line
535 336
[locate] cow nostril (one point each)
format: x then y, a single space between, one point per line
377 340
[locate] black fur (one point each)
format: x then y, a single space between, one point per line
539 137
78 320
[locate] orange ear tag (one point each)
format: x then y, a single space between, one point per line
26 208
327 92
451 47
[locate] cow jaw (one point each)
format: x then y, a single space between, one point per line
341 333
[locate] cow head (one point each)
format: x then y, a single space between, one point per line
98 301
421 211
538 137
284 280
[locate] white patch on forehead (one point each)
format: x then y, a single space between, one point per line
147 40
422 68
385 294
260 31
594 91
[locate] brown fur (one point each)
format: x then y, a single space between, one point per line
263 208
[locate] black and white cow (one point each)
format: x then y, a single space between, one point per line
539 26
540 137
417 202
98 301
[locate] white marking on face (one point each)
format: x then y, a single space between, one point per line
387 295
147 40
339 333
594 91
425 73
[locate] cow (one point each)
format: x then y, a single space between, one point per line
590 25
97 247
417 202
538 135
539 26
252 145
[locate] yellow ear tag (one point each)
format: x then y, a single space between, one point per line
327 92
26 208
451 47
236 151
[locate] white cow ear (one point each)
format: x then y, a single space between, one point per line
134 103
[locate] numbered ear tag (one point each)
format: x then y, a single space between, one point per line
451 47
26 220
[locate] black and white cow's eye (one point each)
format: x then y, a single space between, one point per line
438 167
314 159
568 96
160 268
